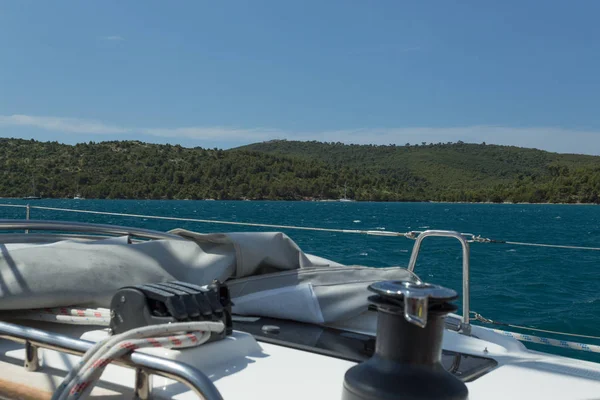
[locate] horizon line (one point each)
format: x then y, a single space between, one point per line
422 144
552 139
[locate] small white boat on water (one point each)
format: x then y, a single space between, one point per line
246 315
345 199
33 196
78 196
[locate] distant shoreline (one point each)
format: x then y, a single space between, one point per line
300 171
303 201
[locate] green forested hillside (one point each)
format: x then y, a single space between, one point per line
461 171
288 170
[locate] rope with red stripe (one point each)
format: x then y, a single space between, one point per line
68 315
82 379
84 382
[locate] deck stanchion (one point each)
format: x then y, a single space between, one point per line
27 215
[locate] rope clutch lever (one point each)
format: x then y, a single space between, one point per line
162 303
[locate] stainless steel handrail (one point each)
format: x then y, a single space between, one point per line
69 226
465 326
183 373
41 238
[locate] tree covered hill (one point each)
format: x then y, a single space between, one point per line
289 170
461 171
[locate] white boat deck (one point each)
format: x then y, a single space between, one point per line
243 368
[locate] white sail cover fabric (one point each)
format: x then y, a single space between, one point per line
267 273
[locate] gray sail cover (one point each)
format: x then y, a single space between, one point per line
267 273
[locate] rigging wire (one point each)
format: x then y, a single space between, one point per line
77 318
409 235
482 319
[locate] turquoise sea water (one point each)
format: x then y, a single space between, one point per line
546 288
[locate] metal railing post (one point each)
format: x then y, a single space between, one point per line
67 226
465 326
32 361
27 215
143 384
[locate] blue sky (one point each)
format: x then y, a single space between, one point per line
206 73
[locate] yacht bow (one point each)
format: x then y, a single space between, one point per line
295 319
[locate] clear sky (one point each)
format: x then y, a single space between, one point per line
212 73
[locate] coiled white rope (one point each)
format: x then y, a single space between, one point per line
81 379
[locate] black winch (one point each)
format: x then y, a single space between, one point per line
408 349
161 303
